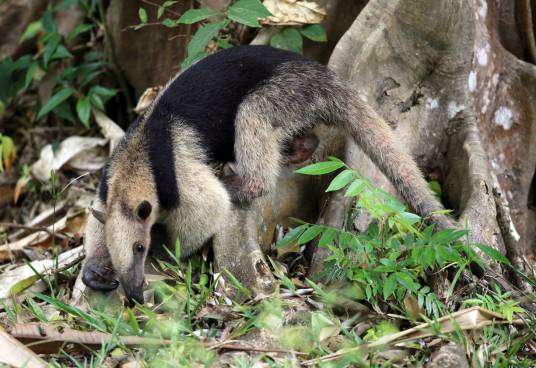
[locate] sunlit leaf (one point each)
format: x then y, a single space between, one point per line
341 180
248 12
314 32
320 168
196 15
288 39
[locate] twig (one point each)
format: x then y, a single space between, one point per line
158 6
234 345
32 228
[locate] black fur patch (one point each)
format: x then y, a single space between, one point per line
161 158
205 97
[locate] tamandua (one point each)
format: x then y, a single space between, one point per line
241 105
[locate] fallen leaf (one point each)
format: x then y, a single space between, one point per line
473 318
68 149
147 99
15 354
49 339
293 12
73 222
20 188
109 129
15 281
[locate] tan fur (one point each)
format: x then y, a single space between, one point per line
130 184
204 201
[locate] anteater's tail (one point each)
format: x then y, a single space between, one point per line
376 139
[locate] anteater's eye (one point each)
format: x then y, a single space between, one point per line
139 248
144 210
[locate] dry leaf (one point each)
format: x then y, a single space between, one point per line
109 129
147 99
473 318
73 222
15 281
20 188
293 12
68 149
15 354
49 339
412 307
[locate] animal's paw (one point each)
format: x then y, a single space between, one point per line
99 274
241 191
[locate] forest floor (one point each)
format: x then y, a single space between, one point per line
194 316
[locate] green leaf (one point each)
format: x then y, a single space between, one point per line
327 237
288 39
248 12
447 235
315 32
83 109
79 29
170 23
357 186
435 187
31 30
493 254
168 3
30 74
320 168
389 286
52 43
409 218
193 58
103 91
49 24
203 36
88 318
196 15
96 102
406 281
292 235
310 234
160 12
142 14
54 101
61 53
223 43
341 180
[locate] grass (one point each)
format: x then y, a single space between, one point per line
380 286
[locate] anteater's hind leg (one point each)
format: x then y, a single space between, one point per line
257 152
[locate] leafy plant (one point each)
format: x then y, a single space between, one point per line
7 153
212 23
74 77
392 259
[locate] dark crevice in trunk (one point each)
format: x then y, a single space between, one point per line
532 193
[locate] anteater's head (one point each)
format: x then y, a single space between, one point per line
131 211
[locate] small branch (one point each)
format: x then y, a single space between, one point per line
235 345
33 228
158 6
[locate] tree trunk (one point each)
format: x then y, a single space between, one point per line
463 105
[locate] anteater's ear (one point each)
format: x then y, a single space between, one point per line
99 215
144 210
